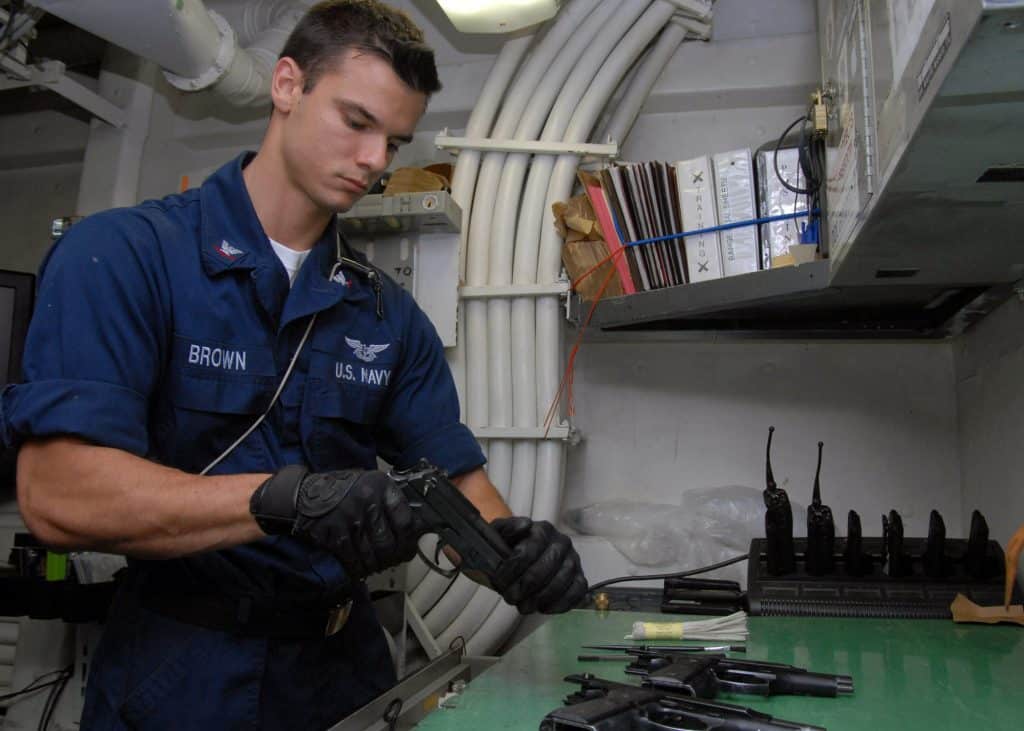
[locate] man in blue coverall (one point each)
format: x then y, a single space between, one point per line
161 335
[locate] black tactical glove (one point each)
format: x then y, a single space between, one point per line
543 573
359 516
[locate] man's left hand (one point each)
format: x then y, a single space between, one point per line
543 574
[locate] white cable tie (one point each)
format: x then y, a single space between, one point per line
695 29
696 9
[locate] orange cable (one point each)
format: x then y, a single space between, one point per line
567 377
1012 556
597 266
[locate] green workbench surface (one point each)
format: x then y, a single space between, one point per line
907 674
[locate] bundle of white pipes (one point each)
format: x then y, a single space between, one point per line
508 358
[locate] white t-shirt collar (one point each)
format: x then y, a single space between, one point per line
290 258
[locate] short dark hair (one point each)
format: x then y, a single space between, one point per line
333 26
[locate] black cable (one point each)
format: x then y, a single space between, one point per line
435 565
50 707
673 575
27 690
458 644
34 685
391 714
816 162
810 163
813 184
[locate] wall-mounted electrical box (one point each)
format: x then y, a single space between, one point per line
924 190
434 212
927 99
414 239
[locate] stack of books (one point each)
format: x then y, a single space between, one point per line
651 200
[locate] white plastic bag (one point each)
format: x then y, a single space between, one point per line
709 525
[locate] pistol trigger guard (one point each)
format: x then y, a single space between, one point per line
437 550
435 565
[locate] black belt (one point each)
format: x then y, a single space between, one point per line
246 618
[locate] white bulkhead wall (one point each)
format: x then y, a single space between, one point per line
989 361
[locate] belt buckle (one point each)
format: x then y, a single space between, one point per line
337 617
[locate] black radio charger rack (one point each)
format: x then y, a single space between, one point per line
910 588
891 576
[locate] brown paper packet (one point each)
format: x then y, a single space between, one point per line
415 180
964 610
584 248
445 169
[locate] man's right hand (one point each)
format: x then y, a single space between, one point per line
359 516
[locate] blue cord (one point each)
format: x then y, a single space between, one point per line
713 229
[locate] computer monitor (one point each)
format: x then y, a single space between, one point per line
17 293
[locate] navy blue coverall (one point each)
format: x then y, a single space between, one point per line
163 330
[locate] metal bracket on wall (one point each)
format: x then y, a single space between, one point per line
51 75
558 432
513 290
445 142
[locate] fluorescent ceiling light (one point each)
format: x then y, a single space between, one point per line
497 16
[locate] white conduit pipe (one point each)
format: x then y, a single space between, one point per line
251 18
535 88
253 88
513 349
462 591
549 314
538 100
496 626
611 108
539 476
196 47
181 38
531 218
427 587
430 586
560 187
497 379
551 462
585 116
465 174
485 609
426 591
564 171
477 401
640 84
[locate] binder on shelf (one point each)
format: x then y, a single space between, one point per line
599 202
776 199
643 201
615 189
698 208
673 219
734 192
660 207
